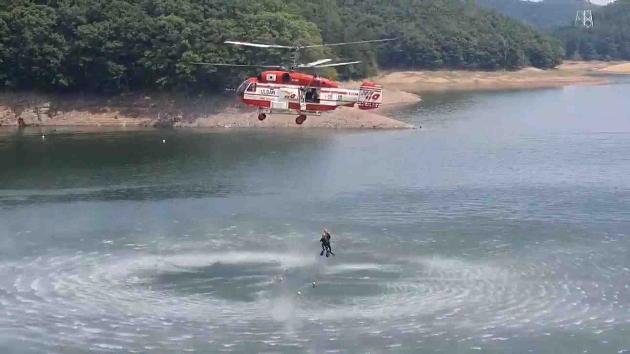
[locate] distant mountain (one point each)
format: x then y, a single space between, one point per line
545 15
608 40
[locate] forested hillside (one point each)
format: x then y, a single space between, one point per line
114 45
608 39
545 15
433 34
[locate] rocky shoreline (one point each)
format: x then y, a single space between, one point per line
162 110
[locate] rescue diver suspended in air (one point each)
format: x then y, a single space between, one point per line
325 240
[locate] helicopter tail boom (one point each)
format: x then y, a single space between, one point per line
370 95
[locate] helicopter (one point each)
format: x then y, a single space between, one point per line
285 90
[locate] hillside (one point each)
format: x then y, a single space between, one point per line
609 39
121 45
432 34
546 15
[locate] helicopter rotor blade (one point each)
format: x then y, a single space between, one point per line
314 63
259 45
337 64
264 45
241 65
348 43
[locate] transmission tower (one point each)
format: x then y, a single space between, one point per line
584 16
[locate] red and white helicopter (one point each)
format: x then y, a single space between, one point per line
283 90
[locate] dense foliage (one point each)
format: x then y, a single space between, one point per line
113 45
608 39
432 34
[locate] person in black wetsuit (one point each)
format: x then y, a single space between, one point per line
325 240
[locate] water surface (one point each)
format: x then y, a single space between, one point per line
501 226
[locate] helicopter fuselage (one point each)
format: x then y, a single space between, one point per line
284 92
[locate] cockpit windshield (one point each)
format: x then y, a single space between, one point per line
242 87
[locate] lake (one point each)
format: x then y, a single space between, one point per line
503 225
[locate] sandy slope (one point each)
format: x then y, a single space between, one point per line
617 69
570 73
343 118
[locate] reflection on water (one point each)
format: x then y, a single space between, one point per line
502 225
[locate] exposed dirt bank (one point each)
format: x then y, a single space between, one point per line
623 68
342 118
169 111
569 73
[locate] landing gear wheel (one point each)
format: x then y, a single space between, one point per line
262 116
300 119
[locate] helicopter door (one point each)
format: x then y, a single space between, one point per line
282 101
301 93
312 95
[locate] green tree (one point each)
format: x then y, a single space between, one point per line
32 49
117 45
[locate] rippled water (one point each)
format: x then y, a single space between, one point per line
501 226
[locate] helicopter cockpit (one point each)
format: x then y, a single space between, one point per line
248 85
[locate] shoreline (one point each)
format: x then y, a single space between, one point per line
175 111
567 74
402 88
